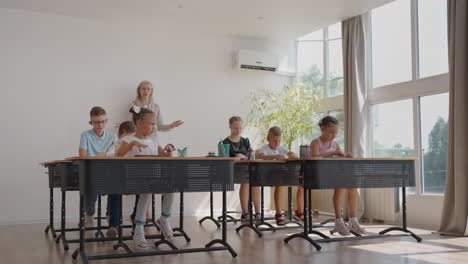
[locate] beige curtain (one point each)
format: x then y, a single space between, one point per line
455 213
355 88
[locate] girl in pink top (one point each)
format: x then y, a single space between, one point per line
324 146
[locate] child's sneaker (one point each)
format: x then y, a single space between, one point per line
299 216
139 237
341 228
355 227
165 227
280 219
111 232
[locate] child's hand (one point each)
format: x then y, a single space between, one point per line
139 145
349 155
293 155
282 156
242 157
339 153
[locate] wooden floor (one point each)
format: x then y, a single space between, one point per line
29 244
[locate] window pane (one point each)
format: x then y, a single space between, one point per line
433 51
434 117
391 43
316 35
393 129
315 131
334 31
335 75
310 65
338 114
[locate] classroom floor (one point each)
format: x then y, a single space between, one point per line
29 244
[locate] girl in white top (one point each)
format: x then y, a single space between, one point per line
141 144
144 99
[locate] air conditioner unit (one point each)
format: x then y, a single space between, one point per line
255 60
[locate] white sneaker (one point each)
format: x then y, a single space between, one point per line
139 237
165 227
341 228
89 221
355 227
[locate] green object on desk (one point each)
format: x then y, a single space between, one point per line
182 152
223 150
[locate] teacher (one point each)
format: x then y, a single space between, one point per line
144 99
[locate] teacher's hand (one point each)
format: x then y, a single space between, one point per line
176 123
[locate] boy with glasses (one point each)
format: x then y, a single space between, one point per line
94 142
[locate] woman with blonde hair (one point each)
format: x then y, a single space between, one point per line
144 98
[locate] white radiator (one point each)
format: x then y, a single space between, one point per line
323 201
382 204
374 204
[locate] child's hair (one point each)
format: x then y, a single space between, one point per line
274 132
234 119
97 111
126 127
326 121
141 85
139 113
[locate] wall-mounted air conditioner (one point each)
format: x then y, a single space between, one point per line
255 60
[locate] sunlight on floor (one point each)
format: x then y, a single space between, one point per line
402 248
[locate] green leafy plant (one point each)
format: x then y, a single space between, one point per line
291 109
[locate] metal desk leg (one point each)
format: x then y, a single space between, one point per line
250 224
404 227
211 216
81 249
262 213
305 234
181 219
223 240
51 215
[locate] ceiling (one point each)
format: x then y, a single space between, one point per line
274 19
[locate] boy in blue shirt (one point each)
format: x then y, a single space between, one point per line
94 142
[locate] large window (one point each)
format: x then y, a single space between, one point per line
432 29
410 107
338 114
393 129
434 132
320 61
391 43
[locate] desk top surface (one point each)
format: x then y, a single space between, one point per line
53 162
389 159
148 158
261 161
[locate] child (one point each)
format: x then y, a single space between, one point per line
239 147
141 144
323 146
274 150
94 142
126 129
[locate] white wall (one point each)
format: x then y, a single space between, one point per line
53 69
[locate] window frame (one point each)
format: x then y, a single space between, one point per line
413 89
